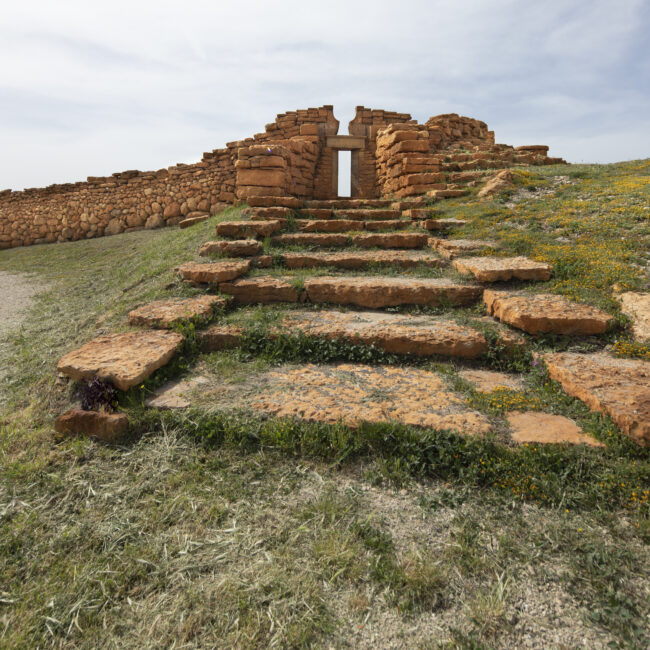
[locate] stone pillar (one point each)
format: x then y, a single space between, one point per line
335 173
354 174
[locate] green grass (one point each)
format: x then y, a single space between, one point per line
217 527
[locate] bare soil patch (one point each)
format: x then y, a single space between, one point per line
17 291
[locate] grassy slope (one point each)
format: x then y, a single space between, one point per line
246 544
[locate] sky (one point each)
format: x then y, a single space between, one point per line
90 88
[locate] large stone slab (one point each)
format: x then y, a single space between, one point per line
397 333
125 359
232 248
351 204
637 306
328 225
533 427
167 313
377 291
451 248
361 259
442 224
352 394
391 240
213 272
311 239
192 221
386 225
618 387
367 215
262 290
245 229
270 201
485 381
502 269
543 312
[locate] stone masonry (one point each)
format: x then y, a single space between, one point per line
295 156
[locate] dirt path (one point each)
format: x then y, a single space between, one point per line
16 293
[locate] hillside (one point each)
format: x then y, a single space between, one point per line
316 490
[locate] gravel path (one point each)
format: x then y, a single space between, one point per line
16 292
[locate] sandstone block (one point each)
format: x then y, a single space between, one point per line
328 225
637 307
192 221
361 259
450 248
245 229
544 428
166 313
262 290
502 269
232 248
442 224
261 177
213 272
220 337
311 239
539 313
486 381
172 210
273 201
618 387
125 359
107 427
391 240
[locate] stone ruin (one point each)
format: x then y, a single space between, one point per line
297 155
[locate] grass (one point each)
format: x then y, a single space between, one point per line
216 527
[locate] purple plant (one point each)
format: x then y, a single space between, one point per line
97 395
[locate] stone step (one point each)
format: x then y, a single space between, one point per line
212 272
107 427
378 240
232 248
274 201
395 333
167 313
410 204
419 213
367 215
261 290
502 269
636 305
446 194
192 221
245 229
451 248
266 214
353 393
544 313
361 259
125 360
442 224
347 225
378 291
348 203
618 387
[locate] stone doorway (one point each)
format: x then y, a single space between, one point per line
354 144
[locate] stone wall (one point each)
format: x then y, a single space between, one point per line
398 157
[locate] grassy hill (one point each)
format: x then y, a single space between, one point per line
213 527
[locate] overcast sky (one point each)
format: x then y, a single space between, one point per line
90 88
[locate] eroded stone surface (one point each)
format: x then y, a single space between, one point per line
107 427
192 221
442 224
263 289
502 269
377 291
545 428
542 312
311 239
212 272
360 259
245 229
366 215
391 240
353 394
397 333
220 337
485 381
451 248
233 248
618 387
637 307
165 313
175 394
123 359
328 225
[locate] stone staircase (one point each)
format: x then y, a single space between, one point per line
277 253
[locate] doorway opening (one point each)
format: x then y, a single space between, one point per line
345 173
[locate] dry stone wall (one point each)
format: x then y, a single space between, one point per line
399 158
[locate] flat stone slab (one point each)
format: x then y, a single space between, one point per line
245 229
544 428
417 214
125 359
408 240
260 290
502 269
232 248
271 201
485 381
213 272
107 427
637 307
377 291
351 204
543 312
451 248
442 224
367 215
267 213
192 221
352 394
396 333
386 225
618 387
328 225
166 313
324 240
175 394
361 259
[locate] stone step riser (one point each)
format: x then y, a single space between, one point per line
360 260
380 240
347 225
